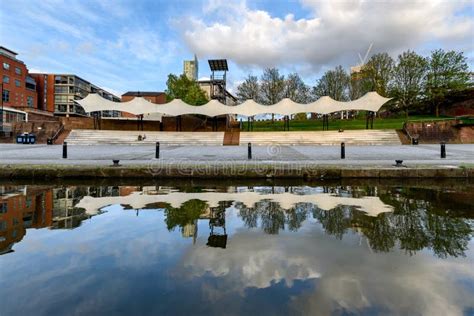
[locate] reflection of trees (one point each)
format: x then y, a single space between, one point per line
335 222
416 223
272 217
187 213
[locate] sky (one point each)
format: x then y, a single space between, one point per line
132 45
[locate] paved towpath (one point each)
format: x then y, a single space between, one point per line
457 154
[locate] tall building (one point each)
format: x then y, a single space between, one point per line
191 68
57 94
18 90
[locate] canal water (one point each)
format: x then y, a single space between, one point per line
190 248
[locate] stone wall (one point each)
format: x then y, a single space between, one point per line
448 131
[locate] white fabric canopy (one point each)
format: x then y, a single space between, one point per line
371 101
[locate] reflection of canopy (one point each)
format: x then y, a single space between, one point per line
325 105
371 205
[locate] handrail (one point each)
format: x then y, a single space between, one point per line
56 135
405 129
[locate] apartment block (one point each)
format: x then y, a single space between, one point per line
57 93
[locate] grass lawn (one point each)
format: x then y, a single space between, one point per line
336 124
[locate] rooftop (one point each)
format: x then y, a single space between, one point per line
143 93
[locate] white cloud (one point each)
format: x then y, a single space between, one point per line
336 32
348 275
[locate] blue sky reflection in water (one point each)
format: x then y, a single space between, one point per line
310 258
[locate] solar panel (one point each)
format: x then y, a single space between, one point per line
218 64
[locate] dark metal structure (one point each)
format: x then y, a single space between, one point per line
218 79
217 221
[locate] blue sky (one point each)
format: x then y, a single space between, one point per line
133 45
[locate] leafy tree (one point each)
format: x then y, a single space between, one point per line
249 89
448 72
377 73
185 89
296 89
272 87
334 83
409 79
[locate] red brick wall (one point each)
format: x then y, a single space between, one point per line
40 84
18 95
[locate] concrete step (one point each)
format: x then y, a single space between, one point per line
96 137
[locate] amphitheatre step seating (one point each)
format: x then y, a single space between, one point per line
350 137
111 137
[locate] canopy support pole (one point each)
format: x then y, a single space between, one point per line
325 122
369 120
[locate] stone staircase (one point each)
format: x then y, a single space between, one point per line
111 137
350 137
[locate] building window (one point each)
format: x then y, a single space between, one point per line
61 98
61 89
17 71
6 66
61 107
17 83
6 95
6 79
29 101
3 208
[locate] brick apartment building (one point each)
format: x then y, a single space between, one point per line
18 89
57 93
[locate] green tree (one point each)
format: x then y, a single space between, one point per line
186 90
296 89
377 73
249 89
409 80
447 72
272 87
334 83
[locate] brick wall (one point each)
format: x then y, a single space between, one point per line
18 95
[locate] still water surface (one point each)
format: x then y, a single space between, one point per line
231 249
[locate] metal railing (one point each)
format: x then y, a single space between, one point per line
52 139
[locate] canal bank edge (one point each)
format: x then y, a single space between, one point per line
234 170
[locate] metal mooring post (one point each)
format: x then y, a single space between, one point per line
249 147
157 150
443 150
65 150
343 150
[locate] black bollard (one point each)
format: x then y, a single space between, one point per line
157 150
65 150
249 150
343 150
443 150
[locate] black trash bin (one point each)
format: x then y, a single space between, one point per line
49 141
414 141
26 139
31 138
19 139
